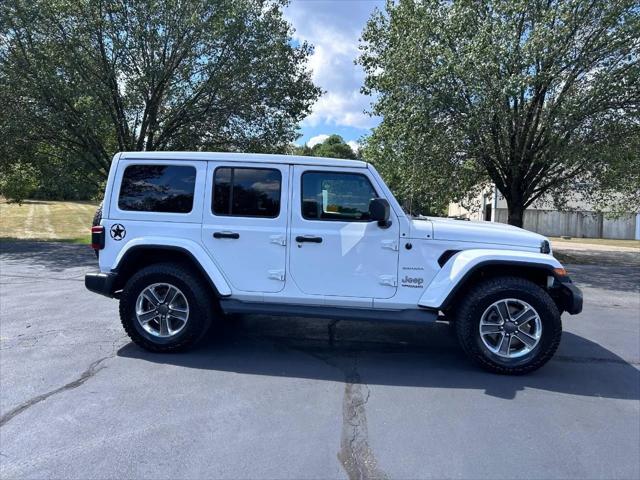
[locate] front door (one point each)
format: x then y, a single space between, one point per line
335 250
245 223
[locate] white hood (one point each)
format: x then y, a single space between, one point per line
476 232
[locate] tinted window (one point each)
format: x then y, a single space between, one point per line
336 196
246 192
157 188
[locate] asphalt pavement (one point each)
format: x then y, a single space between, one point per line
304 398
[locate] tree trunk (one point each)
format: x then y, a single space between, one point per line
516 213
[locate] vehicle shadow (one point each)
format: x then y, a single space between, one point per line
54 256
399 355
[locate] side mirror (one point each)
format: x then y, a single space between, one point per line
379 211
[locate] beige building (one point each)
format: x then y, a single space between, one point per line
580 220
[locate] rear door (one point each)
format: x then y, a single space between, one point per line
245 223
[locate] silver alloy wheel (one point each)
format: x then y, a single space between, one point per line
510 328
162 310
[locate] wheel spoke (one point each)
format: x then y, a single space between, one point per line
525 316
503 311
527 339
178 314
490 328
164 326
151 297
146 317
170 296
505 345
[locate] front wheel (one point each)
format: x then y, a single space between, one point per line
508 325
165 307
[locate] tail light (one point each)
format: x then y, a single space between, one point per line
97 237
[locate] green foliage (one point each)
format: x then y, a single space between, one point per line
303 150
65 177
532 96
617 182
333 147
423 184
83 79
18 182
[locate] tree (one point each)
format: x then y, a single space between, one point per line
333 147
531 95
617 183
93 77
19 182
302 150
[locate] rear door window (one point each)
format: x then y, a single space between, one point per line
246 192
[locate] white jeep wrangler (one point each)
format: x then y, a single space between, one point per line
186 237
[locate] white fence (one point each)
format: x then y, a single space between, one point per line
576 224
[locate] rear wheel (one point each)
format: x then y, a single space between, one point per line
508 325
97 218
165 307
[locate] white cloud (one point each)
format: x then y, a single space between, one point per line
342 109
316 140
333 28
354 146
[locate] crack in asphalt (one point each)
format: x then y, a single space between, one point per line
94 368
355 455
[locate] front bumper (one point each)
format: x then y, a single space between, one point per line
101 283
571 297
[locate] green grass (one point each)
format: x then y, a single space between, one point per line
47 220
600 241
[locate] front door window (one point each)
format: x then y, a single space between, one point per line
336 196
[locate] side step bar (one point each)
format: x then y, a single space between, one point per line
421 315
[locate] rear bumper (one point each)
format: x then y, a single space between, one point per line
101 283
571 298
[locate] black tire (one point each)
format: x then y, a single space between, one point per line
198 296
483 295
97 216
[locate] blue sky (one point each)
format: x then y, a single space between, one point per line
333 27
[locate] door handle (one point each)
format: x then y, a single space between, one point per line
308 238
233 235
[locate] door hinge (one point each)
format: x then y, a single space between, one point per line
390 280
390 244
278 239
277 275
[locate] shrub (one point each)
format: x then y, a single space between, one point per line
18 182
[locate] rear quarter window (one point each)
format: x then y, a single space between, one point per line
157 188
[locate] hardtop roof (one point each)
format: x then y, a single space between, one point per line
244 157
